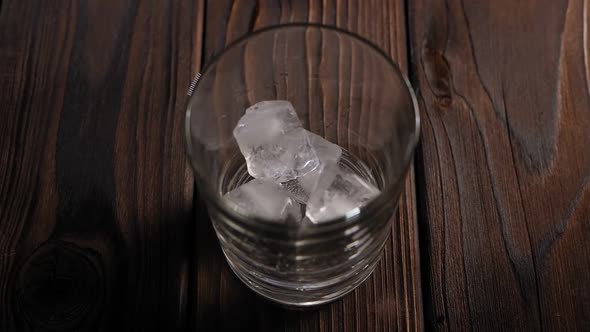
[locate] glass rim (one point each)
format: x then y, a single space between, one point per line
387 193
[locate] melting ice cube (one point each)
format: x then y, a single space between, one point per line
263 199
338 193
328 153
273 142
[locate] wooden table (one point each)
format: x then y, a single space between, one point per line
101 227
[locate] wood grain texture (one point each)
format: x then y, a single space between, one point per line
503 171
391 298
95 191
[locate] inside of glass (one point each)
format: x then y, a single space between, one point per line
341 87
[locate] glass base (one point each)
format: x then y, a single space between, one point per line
292 296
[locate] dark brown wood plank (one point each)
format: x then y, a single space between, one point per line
503 170
391 298
95 191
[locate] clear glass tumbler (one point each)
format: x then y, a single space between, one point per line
343 89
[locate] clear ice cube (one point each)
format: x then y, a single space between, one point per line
328 153
273 142
264 199
338 193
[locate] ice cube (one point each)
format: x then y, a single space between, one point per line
328 153
338 193
301 187
264 199
273 142
325 150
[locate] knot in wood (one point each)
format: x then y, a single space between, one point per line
59 286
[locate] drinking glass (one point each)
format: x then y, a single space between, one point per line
344 89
